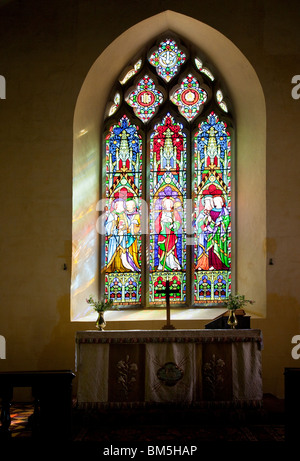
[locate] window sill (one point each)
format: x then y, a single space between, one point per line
155 314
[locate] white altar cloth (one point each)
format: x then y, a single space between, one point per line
169 366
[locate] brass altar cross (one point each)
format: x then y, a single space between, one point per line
167 292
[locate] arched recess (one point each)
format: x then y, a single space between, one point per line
250 115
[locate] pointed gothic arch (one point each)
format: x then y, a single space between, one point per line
246 92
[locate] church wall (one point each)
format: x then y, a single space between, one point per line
47 49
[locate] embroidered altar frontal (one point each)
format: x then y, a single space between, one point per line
190 367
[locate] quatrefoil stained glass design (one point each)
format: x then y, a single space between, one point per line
145 99
189 97
167 59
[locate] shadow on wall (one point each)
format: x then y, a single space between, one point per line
59 353
280 330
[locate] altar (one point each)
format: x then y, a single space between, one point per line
190 367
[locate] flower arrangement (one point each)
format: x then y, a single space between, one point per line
235 302
101 306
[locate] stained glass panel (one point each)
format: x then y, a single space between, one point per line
145 99
158 283
163 170
189 97
212 149
220 100
123 222
167 250
203 70
131 72
115 105
167 59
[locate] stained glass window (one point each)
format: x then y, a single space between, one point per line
123 193
189 97
202 69
131 72
212 155
114 106
167 204
145 99
168 148
167 59
220 100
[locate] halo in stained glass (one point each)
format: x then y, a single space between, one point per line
167 59
145 99
189 97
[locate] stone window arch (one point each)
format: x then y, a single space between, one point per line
249 208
